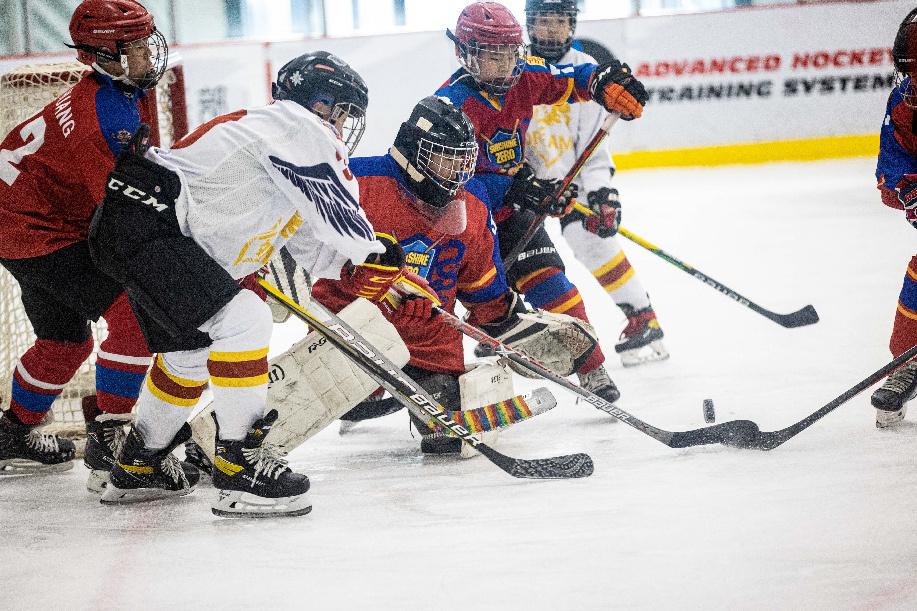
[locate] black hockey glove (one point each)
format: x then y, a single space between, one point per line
539 195
606 212
614 86
907 195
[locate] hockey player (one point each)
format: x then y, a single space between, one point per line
897 175
556 137
418 192
52 176
178 229
498 87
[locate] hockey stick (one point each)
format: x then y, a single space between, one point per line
418 401
490 417
800 318
768 440
574 171
736 433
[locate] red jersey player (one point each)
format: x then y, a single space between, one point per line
498 88
53 171
897 175
420 192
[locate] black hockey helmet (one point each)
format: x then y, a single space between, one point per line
904 56
325 85
437 150
554 47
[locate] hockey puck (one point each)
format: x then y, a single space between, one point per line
709 413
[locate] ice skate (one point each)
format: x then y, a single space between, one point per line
890 400
598 382
641 339
254 481
141 474
105 436
25 450
196 456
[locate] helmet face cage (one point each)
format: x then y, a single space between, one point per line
449 167
159 57
551 48
470 58
904 57
354 123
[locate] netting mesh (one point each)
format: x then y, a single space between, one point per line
23 92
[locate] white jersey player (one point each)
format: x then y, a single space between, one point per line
556 137
179 228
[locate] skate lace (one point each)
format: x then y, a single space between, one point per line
42 442
901 381
267 460
172 468
114 438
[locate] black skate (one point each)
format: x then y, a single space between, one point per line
483 351
104 437
598 382
253 480
141 474
641 339
890 400
24 450
195 455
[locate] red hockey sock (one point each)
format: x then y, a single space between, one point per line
123 360
904 331
41 375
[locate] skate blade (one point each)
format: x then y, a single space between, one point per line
21 466
885 420
125 496
652 352
237 504
97 481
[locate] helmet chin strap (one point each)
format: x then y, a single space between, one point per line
123 77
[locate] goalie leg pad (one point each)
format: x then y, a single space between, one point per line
559 342
483 384
312 384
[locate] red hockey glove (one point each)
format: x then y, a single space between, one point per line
606 208
373 278
907 195
532 193
411 300
614 87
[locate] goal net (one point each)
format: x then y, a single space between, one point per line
23 92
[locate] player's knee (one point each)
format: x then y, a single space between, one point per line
244 320
67 354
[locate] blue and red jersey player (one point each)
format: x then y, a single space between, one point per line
498 87
53 172
896 173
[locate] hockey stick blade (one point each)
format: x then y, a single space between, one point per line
799 318
343 337
742 434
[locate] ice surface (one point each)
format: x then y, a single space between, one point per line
824 522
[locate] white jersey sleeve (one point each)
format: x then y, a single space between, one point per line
254 180
558 134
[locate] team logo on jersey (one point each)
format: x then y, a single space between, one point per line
123 137
504 148
419 257
321 185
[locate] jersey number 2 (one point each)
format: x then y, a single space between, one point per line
35 129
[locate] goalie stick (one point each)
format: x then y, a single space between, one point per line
418 401
736 434
490 417
768 440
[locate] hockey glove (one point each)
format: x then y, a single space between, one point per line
373 278
907 195
614 87
606 212
532 193
411 300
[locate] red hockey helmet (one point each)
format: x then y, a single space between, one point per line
102 29
488 31
904 55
